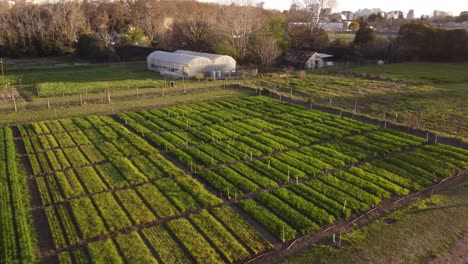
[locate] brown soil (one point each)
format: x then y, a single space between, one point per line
457 255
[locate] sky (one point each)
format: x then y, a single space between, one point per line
421 7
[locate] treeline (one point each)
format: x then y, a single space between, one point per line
92 29
415 41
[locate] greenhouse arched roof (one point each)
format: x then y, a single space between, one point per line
215 58
178 58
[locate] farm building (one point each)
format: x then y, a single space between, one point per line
183 63
307 59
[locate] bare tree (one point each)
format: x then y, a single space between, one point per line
237 24
155 18
314 11
265 49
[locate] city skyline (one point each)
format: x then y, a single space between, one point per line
421 7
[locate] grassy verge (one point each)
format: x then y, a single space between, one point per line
116 106
417 233
420 72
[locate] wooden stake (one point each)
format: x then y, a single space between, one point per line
341 231
284 238
14 102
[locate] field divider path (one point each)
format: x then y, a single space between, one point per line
44 234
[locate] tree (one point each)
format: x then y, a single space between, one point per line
365 34
302 38
462 18
92 47
314 12
354 26
237 24
133 36
265 49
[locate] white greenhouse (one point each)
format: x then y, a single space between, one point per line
187 64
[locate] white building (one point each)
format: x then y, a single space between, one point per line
366 12
441 14
410 15
294 7
349 15
183 63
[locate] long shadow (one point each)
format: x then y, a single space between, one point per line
418 211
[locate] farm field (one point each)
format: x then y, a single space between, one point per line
67 80
217 182
443 242
437 103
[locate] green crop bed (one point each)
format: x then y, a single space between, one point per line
215 182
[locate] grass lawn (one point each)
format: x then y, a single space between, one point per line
85 73
431 73
61 112
418 233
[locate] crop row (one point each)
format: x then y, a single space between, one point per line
283 133
16 238
289 166
202 238
110 211
73 88
302 208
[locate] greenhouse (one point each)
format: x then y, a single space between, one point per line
221 63
187 64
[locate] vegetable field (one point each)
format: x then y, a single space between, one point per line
217 182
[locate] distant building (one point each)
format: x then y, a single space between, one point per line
326 11
307 59
294 7
464 13
451 25
334 26
338 17
367 12
410 15
314 8
261 5
394 14
441 14
349 15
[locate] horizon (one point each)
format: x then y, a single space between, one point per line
420 7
